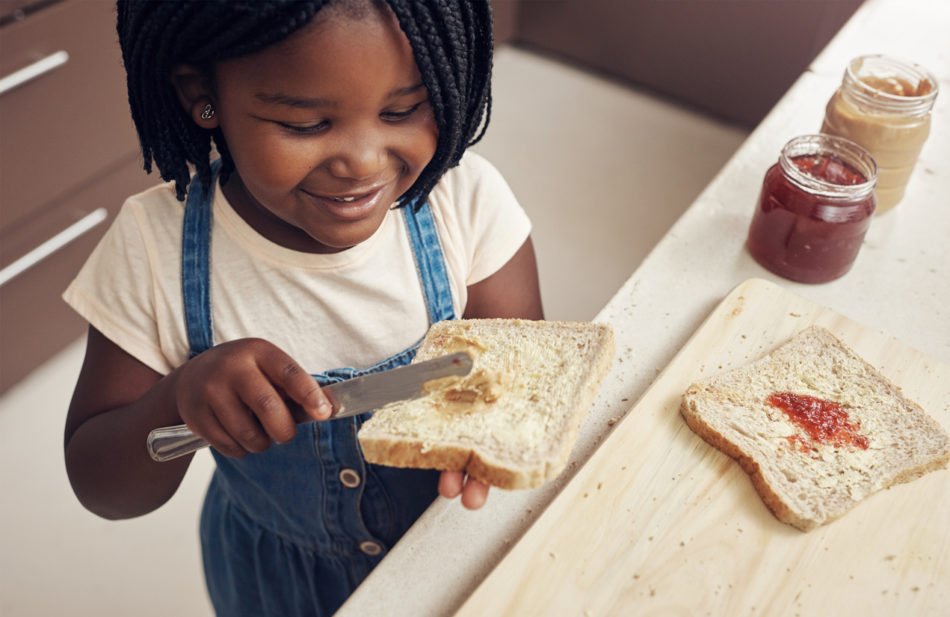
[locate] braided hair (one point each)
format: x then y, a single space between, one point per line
451 42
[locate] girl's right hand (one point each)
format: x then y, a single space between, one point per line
237 396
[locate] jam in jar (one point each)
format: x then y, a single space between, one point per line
815 206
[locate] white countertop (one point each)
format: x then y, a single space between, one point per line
899 285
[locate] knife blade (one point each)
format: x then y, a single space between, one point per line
349 398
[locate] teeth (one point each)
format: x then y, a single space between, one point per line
344 199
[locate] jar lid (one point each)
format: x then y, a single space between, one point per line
829 165
891 84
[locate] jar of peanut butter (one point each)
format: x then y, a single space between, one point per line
884 105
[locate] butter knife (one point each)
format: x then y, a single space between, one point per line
349 398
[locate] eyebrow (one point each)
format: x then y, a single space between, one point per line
279 98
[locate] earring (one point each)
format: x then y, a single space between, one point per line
208 112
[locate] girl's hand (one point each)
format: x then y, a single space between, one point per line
454 483
237 395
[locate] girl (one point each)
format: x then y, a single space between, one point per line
338 222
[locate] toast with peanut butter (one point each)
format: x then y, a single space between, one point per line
817 428
513 420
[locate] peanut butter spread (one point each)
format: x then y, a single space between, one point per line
467 394
898 86
501 399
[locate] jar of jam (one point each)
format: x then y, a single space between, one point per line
815 206
884 105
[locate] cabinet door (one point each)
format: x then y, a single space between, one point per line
69 155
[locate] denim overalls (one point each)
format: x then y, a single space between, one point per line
293 530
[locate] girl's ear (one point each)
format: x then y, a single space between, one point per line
195 95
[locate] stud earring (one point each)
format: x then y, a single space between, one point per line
208 112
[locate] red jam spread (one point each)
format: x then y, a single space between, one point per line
808 236
824 421
829 168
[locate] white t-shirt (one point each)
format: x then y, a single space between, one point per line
348 309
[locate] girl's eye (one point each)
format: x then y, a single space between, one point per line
306 129
396 116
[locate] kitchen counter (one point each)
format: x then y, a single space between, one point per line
899 286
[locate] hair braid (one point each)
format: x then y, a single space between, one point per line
451 42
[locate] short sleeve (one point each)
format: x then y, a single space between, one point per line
116 289
484 221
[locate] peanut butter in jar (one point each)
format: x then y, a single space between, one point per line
884 105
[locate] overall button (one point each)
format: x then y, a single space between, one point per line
371 548
350 478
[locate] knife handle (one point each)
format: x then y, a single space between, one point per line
170 442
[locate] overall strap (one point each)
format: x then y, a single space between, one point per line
195 263
430 261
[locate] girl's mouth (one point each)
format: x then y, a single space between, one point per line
353 206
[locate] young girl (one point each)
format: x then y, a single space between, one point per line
339 218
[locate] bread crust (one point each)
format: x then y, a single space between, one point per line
484 456
807 489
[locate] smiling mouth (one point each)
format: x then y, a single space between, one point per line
353 206
355 196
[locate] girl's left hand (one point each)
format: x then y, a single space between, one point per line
455 483
512 291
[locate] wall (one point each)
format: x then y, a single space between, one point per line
731 59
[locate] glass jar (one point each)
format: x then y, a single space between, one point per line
884 105
815 206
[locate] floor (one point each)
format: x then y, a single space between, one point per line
602 170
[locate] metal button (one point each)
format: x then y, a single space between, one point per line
371 548
350 478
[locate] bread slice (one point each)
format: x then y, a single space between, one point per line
511 422
884 439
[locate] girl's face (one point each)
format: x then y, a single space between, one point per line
326 129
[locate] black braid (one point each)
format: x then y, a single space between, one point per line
451 42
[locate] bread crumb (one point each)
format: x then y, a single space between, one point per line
890 557
553 555
600 485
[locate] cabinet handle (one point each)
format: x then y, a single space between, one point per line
40 67
53 244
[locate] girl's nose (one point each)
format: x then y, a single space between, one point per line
359 156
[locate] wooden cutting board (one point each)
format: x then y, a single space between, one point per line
657 522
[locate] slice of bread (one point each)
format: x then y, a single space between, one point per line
513 420
809 479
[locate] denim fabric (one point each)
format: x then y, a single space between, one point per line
195 282
281 531
429 262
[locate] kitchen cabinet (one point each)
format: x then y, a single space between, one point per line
68 158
